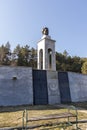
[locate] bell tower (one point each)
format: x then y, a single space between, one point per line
46 52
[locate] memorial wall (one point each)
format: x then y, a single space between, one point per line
78 86
16 87
22 85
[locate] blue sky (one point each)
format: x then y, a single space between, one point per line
21 22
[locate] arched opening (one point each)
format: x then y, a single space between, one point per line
50 58
41 58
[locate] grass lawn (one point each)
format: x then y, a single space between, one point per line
12 116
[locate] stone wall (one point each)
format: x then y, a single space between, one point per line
78 86
16 91
20 91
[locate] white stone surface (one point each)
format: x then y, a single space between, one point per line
78 86
16 92
46 43
53 87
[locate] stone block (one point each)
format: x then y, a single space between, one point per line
53 87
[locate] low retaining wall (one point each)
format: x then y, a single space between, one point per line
22 85
16 91
78 87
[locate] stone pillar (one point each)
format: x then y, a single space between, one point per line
46 52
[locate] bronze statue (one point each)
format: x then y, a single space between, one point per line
45 31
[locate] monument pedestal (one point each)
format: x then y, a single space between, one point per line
46 53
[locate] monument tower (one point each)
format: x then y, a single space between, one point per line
46 52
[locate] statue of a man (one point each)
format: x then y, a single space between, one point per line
45 31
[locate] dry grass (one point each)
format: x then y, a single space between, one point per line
12 116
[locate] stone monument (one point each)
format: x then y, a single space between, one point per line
46 51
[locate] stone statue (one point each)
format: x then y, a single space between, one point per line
45 31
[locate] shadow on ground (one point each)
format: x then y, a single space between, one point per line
79 105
